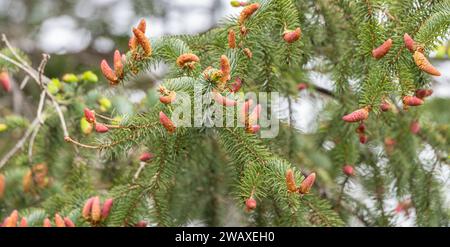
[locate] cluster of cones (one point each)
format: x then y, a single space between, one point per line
13 221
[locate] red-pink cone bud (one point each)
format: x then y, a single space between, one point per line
107 205
13 218
348 170
250 204
59 222
101 128
253 129
292 36
86 212
414 127
302 86
118 65
89 115
68 222
236 85
361 129
169 98
385 106
409 42
141 223
403 206
96 210
307 184
412 101
146 156
380 51
356 116
254 116
47 223
423 93
5 81
363 139
167 123
389 144
23 222
222 100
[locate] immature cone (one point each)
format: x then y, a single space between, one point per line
2 185
363 139
143 41
423 93
250 204
166 122
168 98
101 128
385 106
86 212
96 210
291 36
409 42
59 221
423 64
47 223
348 170
403 206
248 11
132 44
23 222
253 129
236 85
244 31
414 127
225 68
108 72
389 144
231 39
222 100
27 181
11 221
412 101
89 115
245 110
290 181
356 116
254 116
146 156
187 60
361 129
141 223
107 205
118 65
302 86
248 53
68 222
382 50
5 81
307 184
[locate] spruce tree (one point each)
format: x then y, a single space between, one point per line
86 161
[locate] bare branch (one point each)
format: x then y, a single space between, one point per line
20 143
